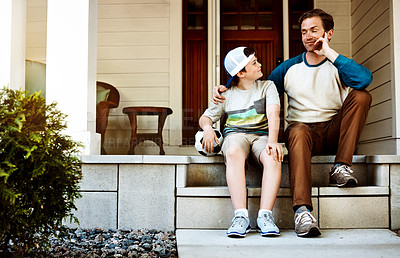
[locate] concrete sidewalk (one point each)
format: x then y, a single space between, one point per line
332 243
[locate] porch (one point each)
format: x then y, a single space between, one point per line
190 192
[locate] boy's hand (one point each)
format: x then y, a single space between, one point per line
209 137
217 97
276 150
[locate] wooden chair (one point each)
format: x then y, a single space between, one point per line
103 110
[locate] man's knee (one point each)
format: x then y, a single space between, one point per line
297 132
361 97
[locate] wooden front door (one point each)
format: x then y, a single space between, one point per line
256 24
194 67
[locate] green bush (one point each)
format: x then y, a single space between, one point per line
39 171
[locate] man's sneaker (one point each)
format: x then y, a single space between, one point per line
240 226
305 224
341 176
266 225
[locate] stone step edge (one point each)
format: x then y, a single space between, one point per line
218 159
222 191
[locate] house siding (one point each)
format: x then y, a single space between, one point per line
133 55
36 30
370 28
340 11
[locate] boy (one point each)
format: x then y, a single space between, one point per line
253 124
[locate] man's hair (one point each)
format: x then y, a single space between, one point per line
247 51
327 19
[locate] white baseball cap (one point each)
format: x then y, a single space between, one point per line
235 61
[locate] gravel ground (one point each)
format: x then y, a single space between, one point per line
98 242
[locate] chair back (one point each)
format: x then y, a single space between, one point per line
114 94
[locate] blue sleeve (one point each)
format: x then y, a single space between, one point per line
278 74
352 74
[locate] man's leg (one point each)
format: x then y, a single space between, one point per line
302 142
299 144
345 128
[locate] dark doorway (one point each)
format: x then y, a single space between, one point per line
194 66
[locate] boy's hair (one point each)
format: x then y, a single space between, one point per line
247 51
327 19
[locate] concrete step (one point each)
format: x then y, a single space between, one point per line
210 171
332 243
360 207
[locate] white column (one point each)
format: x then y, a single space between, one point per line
175 75
395 62
71 67
12 43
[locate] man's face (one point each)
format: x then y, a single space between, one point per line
311 30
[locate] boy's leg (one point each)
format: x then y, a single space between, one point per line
236 149
345 128
272 172
271 180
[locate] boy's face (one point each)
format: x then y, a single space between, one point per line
253 70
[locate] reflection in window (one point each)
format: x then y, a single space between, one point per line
248 5
195 5
230 22
195 22
264 5
229 5
299 5
295 21
265 22
248 22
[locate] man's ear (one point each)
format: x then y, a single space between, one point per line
329 34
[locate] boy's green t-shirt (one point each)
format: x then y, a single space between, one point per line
246 109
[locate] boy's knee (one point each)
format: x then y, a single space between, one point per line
266 159
234 152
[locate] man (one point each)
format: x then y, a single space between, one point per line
324 116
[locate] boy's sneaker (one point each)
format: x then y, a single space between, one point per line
305 224
341 176
240 226
266 225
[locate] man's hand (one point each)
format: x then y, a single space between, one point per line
217 97
325 49
276 150
209 137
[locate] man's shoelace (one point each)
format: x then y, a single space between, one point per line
345 170
306 216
